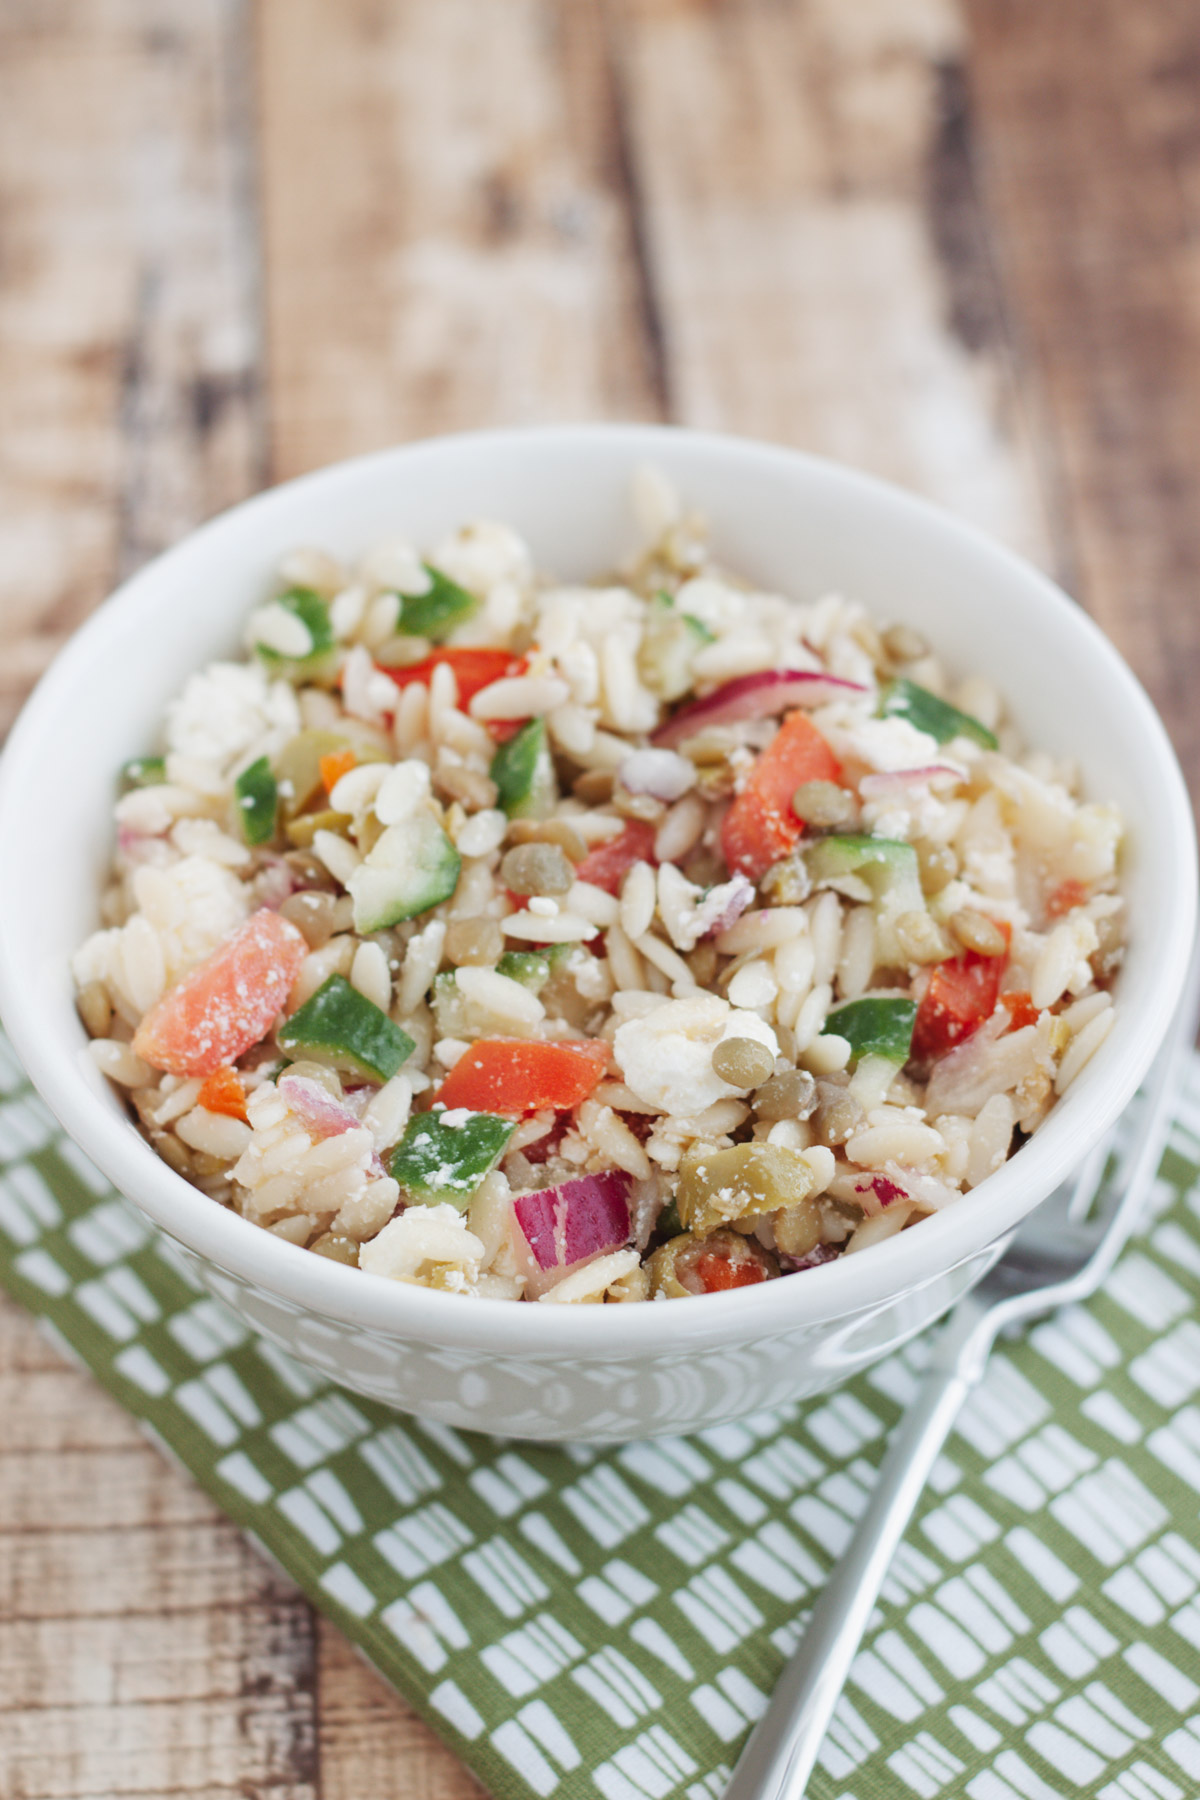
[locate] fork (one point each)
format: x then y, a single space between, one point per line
1058 1256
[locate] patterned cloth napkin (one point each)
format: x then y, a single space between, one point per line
576 1622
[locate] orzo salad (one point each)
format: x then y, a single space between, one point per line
600 943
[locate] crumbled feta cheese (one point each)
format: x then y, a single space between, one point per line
666 1057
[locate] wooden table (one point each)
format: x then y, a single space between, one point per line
952 241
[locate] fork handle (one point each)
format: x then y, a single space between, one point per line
780 1753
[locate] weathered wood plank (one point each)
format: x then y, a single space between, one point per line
144 1646
128 334
448 240
1088 120
815 242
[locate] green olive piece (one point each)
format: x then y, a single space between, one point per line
717 1186
664 1282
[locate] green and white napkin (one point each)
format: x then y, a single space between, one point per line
609 1623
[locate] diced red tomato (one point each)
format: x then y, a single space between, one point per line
961 995
718 1273
228 1004
223 1092
761 825
608 864
333 766
500 730
1021 1010
473 669
1065 898
519 1075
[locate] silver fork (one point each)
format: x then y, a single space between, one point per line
1059 1255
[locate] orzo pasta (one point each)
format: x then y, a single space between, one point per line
592 943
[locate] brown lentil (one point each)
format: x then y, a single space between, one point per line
938 866
313 914
792 1095
337 1247
309 872
837 1114
568 837
742 1062
975 931
302 831
470 786
903 644
798 1228
638 806
474 943
536 869
921 938
786 883
594 787
95 1008
824 804
702 961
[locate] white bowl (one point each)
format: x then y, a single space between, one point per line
793 523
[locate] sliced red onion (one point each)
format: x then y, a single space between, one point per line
275 881
876 1191
896 781
320 1114
757 696
663 774
824 1253
560 1228
723 906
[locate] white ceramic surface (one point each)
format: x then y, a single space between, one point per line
793 523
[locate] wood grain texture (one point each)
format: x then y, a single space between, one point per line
449 240
816 246
1088 126
953 243
128 318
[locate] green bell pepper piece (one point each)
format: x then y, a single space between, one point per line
435 1161
143 771
313 613
257 802
876 1025
338 1026
905 700
524 773
435 614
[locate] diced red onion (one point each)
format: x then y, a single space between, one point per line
758 696
663 774
895 781
275 882
560 1228
320 1114
796 1265
722 906
875 1191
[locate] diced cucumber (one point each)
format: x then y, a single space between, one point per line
298 765
523 772
143 771
449 1007
435 614
436 1161
313 613
257 802
876 1025
905 700
891 871
340 1027
528 967
412 867
669 642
